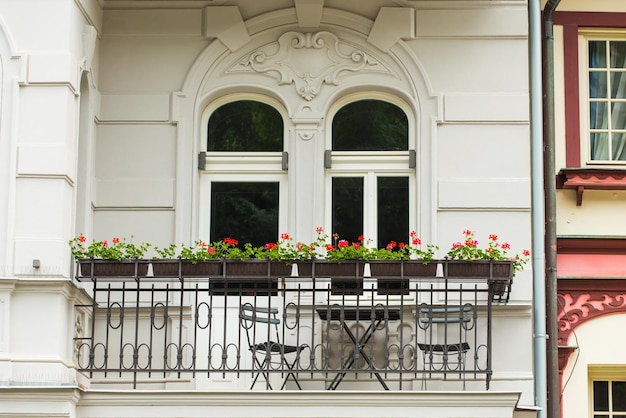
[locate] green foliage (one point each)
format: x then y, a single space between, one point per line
118 249
469 250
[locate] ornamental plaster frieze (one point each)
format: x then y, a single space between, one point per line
308 61
577 306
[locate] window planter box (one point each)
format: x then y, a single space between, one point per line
113 268
499 273
402 268
478 268
256 268
172 268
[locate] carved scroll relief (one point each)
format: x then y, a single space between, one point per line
307 60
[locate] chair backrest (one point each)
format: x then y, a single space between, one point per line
260 323
445 324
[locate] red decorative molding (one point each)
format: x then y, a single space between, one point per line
580 301
580 179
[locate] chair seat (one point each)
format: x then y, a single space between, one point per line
275 347
444 348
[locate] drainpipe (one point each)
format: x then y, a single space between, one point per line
537 204
553 387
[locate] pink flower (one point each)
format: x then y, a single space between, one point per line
457 245
105 244
343 243
413 234
270 246
210 250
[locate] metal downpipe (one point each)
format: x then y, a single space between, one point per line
537 204
553 385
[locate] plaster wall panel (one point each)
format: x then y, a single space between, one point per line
135 165
486 65
59 67
43 217
43 208
162 23
46 115
477 22
154 226
486 107
484 193
145 63
483 151
135 107
44 30
46 131
601 213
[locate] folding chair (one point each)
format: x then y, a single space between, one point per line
443 324
268 353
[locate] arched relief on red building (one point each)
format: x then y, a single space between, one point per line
581 300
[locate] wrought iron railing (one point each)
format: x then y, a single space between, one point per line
397 332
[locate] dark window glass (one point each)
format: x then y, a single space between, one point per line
370 125
245 125
600 395
619 396
247 212
393 210
347 207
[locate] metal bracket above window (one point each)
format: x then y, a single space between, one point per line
328 155
412 158
285 161
201 161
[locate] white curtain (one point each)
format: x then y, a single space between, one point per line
607 93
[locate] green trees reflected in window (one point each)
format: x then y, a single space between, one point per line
245 125
246 211
370 125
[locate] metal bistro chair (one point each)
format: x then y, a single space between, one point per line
268 352
446 347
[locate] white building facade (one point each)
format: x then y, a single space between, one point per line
105 125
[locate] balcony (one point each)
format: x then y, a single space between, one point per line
289 332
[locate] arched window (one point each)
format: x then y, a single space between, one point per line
370 172
245 172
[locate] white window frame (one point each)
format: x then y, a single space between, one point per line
583 61
370 165
605 373
241 167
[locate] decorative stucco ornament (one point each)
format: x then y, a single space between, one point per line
308 60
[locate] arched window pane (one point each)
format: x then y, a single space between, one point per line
245 125
370 125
